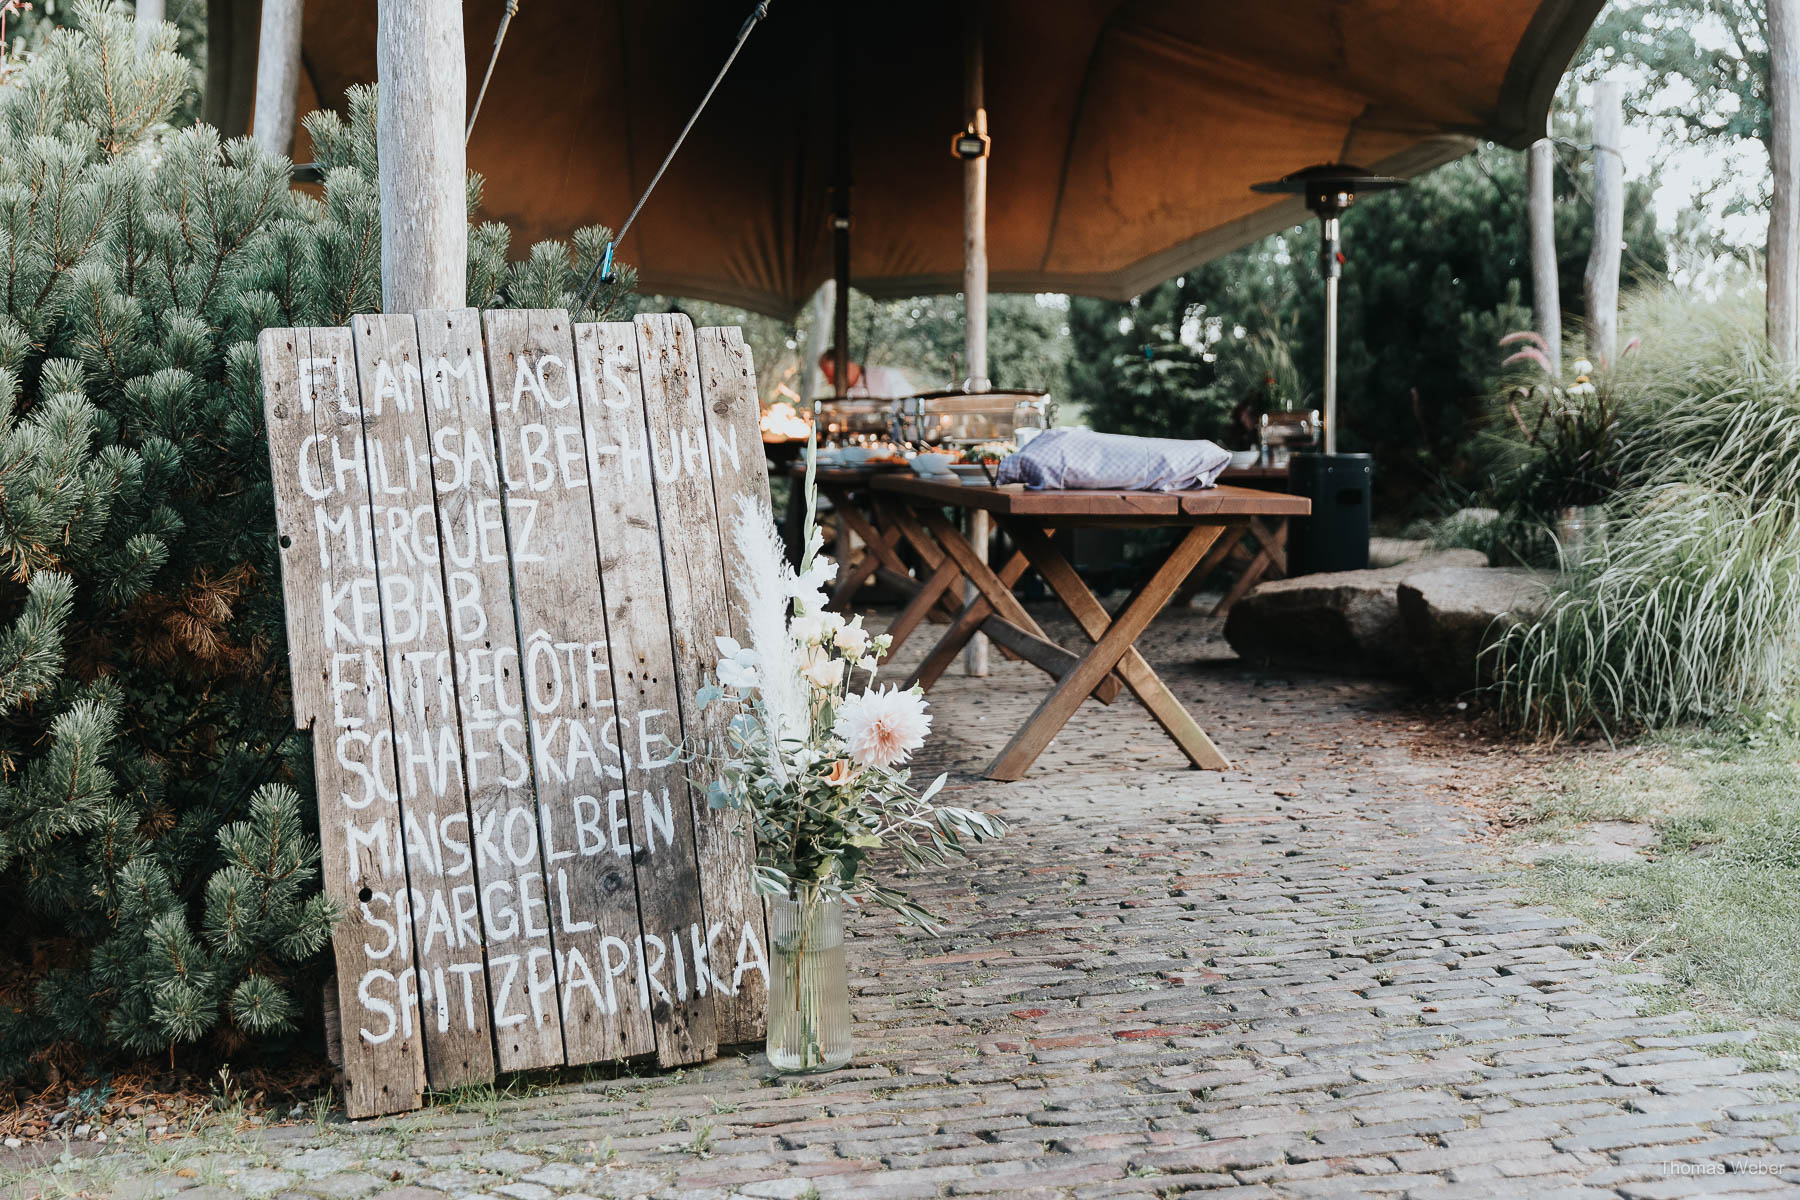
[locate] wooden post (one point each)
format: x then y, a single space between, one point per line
840 216
149 20
1540 179
975 286
1602 280
277 76
1784 155
424 176
821 318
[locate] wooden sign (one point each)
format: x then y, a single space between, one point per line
504 569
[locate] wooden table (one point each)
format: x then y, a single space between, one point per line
1029 519
847 488
1257 546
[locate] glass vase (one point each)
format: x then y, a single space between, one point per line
809 994
1579 532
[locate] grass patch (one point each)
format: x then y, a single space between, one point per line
1715 905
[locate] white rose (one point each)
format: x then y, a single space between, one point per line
853 639
823 671
807 628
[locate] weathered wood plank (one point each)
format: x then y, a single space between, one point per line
421 692
335 639
610 978
471 534
734 432
703 457
645 692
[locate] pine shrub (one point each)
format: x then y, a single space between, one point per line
159 868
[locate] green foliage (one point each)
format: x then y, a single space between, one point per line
1690 606
1567 442
1169 380
158 876
1434 280
1702 65
28 29
923 336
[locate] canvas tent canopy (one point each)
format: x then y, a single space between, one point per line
1126 132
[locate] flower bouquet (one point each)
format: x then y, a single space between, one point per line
819 767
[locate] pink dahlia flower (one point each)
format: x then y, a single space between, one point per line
882 728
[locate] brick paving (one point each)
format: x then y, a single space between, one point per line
1304 978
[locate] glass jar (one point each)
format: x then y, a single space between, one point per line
809 993
1579 532
1028 421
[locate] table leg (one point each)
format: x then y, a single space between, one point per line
852 571
879 554
962 629
1275 540
1221 550
1268 545
995 604
898 516
1114 642
1093 618
924 600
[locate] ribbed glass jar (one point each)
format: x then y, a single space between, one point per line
809 994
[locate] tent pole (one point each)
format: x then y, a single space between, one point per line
975 265
975 283
277 76
840 217
149 21
419 117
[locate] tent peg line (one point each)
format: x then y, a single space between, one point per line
512 10
602 271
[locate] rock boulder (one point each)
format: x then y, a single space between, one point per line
1450 614
1347 621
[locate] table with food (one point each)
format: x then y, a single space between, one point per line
960 438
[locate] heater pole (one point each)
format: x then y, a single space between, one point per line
1333 268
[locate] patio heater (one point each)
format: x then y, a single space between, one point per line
1336 536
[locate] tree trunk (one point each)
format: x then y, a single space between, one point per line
422 104
277 76
1784 155
149 20
1540 176
975 287
1602 280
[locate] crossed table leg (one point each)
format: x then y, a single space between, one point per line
880 558
1113 656
1259 549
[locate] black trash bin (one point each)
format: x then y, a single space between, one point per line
1336 536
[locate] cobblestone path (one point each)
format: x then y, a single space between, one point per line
1302 979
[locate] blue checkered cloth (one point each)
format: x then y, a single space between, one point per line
1081 458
